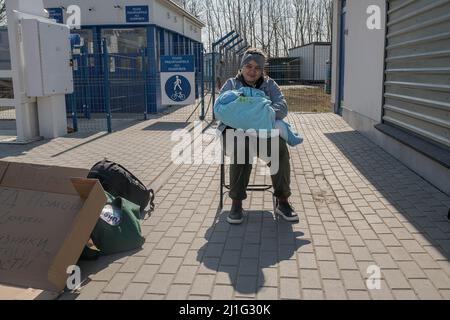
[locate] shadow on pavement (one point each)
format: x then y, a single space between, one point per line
420 203
94 267
244 251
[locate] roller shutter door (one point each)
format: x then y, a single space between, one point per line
417 82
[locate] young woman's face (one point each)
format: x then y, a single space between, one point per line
251 72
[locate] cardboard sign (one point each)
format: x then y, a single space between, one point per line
46 217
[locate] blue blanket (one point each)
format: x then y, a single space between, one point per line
249 108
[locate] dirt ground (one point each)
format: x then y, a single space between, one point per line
306 98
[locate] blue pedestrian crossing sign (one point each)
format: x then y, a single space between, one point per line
177 80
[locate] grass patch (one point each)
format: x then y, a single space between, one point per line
306 99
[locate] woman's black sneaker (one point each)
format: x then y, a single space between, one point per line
236 215
285 210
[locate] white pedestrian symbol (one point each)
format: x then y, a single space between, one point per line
178 90
177 84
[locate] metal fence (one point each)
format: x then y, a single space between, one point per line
302 94
109 89
117 87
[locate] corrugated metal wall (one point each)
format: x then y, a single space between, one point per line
313 61
322 56
417 86
306 55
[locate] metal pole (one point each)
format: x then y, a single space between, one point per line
234 45
74 112
202 81
222 181
213 72
72 100
213 64
106 85
144 75
83 83
231 40
86 82
224 38
222 171
328 80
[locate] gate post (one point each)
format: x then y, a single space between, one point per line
71 97
86 81
202 80
106 88
144 76
213 83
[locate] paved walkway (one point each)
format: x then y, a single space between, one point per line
358 207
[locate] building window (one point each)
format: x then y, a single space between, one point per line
5 58
87 39
125 40
6 89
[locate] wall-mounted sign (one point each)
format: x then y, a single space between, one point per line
177 64
177 80
56 14
137 14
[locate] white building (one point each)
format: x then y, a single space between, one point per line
163 27
313 61
391 79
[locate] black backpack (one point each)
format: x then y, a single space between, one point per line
120 182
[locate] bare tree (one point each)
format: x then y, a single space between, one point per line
329 22
195 7
274 25
2 12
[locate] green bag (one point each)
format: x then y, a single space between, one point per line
118 228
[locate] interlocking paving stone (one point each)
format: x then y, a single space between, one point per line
376 212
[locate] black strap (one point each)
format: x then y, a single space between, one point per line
151 194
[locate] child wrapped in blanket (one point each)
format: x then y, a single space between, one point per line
250 108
